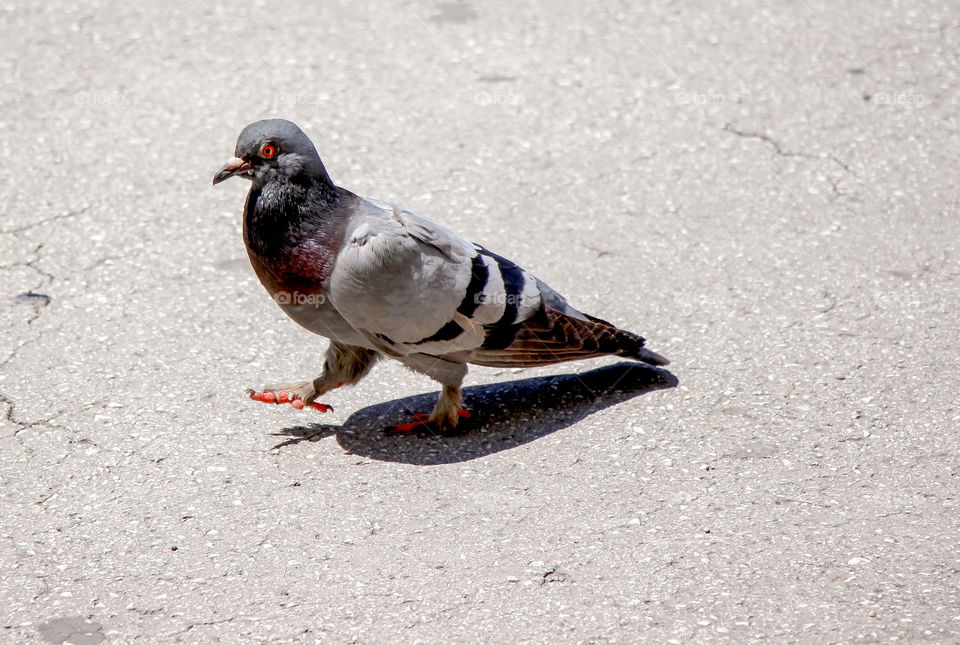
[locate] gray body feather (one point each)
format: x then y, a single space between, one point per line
410 288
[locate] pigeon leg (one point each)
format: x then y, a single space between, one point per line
343 365
445 416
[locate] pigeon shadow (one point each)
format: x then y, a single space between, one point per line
503 415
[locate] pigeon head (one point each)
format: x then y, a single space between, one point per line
274 150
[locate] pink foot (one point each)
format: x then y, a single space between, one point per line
286 397
421 420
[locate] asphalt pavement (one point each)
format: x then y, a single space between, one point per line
767 190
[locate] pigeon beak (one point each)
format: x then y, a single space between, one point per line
234 166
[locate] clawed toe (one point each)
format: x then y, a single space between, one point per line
406 428
424 422
295 396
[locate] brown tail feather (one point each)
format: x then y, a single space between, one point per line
554 337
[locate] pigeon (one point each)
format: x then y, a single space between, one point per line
381 281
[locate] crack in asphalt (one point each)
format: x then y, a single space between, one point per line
766 138
10 415
31 264
102 262
186 629
45 279
56 218
779 149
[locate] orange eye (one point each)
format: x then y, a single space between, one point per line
268 150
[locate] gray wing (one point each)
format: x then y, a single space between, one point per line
400 278
410 286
